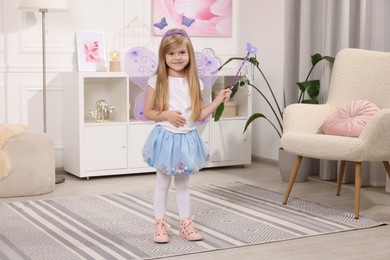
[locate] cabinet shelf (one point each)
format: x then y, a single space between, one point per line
90 122
114 146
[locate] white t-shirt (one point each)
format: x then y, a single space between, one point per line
179 99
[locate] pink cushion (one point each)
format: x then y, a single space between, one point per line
350 119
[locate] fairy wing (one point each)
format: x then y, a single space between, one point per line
140 64
207 67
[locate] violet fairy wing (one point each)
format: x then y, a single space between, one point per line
207 67
140 64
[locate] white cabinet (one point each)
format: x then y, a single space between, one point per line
114 146
138 133
94 148
105 147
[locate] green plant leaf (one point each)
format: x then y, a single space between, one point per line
318 57
313 88
221 107
315 58
251 118
219 111
310 101
302 86
328 58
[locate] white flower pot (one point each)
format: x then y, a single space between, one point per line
308 166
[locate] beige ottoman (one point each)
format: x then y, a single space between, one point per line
32 157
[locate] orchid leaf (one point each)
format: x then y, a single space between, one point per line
221 107
311 87
260 115
219 111
318 57
310 101
253 117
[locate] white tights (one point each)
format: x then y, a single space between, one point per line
163 182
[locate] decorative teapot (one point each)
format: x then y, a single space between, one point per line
103 111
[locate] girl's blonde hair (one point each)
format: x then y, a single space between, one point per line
172 39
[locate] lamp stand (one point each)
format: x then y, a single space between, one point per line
44 11
59 178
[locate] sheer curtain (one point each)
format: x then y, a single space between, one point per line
325 27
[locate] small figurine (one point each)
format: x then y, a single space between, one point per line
100 65
115 64
103 111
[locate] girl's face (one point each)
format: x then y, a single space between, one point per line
177 59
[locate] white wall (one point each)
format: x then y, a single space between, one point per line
257 21
263 26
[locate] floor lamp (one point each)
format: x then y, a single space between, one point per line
44 6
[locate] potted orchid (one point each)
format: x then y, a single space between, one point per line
309 89
309 92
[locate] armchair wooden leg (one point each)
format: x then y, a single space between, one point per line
358 183
292 178
387 167
340 178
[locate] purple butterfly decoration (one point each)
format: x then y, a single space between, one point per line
141 63
251 49
186 21
160 25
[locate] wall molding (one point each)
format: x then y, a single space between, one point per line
37 68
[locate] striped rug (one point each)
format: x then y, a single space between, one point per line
120 226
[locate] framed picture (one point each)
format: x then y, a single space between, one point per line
91 52
207 18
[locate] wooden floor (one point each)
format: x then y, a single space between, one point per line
370 244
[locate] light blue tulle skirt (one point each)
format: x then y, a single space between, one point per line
175 154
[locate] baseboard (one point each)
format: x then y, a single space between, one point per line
267 161
60 170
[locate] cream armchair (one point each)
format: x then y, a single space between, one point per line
357 75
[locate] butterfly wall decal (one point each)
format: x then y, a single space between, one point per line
187 21
141 63
160 25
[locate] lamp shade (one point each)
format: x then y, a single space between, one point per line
48 5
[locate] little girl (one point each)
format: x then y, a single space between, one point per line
174 147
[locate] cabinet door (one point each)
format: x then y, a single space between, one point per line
105 147
228 143
138 134
204 132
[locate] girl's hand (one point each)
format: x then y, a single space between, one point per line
224 95
175 118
